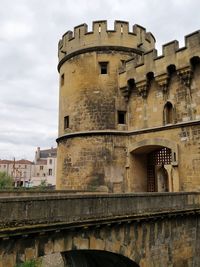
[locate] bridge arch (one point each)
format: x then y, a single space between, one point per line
96 258
153 166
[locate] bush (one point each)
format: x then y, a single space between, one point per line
43 184
31 263
6 181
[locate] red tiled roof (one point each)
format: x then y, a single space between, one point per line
5 161
21 161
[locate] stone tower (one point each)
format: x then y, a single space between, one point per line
92 111
129 120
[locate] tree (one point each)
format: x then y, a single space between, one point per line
43 184
6 181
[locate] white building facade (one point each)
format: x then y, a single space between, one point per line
25 173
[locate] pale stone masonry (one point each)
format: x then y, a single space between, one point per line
129 120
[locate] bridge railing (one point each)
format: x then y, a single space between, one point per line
64 209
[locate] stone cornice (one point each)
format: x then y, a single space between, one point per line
98 48
127 133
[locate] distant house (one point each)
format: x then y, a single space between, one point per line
44 166
21 171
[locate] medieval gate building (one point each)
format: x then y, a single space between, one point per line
129 120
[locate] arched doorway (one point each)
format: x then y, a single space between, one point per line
153 166
96 258
157 174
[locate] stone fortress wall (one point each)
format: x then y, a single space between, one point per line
142 98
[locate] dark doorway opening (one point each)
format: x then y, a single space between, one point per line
96 258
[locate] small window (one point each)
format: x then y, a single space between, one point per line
103 67
41 168
50 161
121 117
50 172
62 79
66 122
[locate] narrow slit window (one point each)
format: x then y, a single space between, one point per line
62 79
99 28
66 122
121 28
103 67
168 113
121 117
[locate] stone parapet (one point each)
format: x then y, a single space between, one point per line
100 37
172 54
18 214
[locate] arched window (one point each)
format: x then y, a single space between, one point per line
168 113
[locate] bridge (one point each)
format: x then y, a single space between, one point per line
93 230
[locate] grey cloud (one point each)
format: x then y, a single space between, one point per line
29 35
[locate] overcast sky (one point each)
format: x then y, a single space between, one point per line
29 33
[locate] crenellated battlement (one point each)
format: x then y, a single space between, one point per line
172 54
100 36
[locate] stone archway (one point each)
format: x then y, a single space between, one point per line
153 166
96 258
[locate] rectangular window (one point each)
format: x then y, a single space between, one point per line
62 79
50 172
121 117
66 122
103 67
41 168
50 161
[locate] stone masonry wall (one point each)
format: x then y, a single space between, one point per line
96 164
160 243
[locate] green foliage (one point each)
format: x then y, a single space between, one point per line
6 181
43 184
31 263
